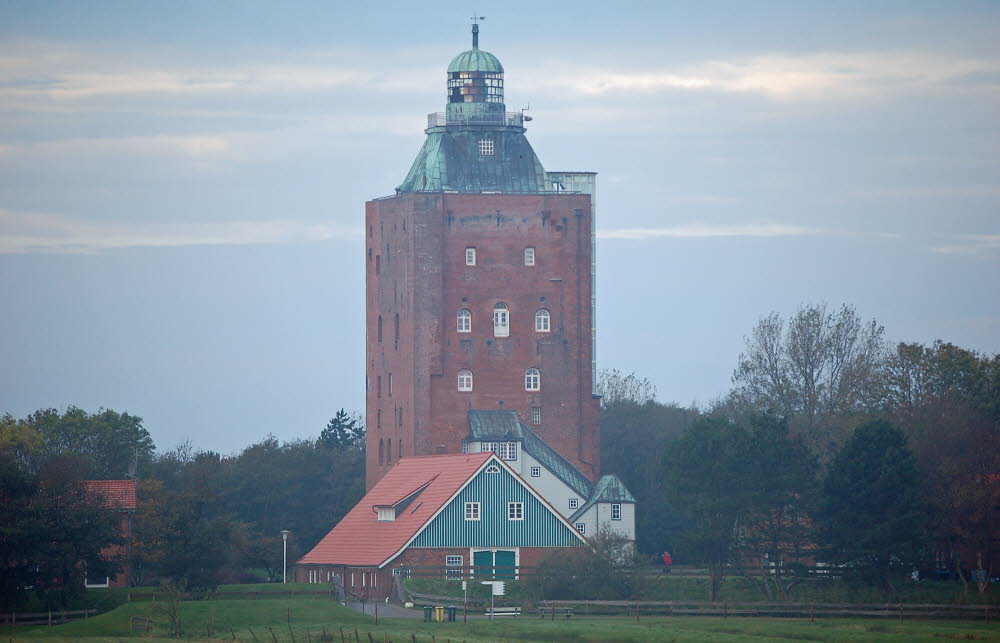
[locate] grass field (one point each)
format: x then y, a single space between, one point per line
260 620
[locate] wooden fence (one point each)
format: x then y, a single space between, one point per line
898 611
14 619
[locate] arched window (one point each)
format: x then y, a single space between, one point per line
388 451
397 331
380 328
465 380
542 321
501 320
381 451
399 449
464 321
532 380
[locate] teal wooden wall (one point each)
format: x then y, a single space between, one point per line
540 528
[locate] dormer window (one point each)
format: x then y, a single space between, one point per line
386 513
486 147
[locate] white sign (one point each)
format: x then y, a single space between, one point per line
498 586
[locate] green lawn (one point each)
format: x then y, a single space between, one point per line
309 617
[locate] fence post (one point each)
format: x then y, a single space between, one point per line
900 610
50 618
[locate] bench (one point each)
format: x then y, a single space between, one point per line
544 610
504 611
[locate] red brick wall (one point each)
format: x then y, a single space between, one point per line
416 269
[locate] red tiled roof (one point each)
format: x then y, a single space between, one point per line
361 540
117 494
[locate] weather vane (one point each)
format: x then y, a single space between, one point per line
475 29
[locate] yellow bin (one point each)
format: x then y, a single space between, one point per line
439 614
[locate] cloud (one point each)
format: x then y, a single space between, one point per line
973 244
32 232
702 230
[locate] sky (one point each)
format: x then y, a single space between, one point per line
182 186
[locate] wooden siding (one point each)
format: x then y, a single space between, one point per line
540 527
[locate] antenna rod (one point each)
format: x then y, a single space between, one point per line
475 30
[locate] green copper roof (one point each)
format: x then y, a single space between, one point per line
608 489
505 425
450 160
475 60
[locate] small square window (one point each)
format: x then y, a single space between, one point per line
486 147
536 415
616 512
574 503
472 511
470 256
529 256
456 563
580 527
536 472
515 511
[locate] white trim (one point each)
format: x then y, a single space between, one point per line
468 481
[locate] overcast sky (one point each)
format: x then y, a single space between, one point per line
182 185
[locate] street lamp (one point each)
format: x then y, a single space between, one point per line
284 555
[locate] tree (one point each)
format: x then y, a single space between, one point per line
706 474
814 370
872 514
777 528
615 387
606 569
343 432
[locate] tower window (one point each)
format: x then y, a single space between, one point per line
465 380
616 512
464 321
501 320
486 147
532 380
381 451
542 321
378 386
470 256
536 415
380 328
529 256
390 384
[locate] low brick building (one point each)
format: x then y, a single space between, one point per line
117 496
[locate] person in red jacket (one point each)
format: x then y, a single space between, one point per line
667 562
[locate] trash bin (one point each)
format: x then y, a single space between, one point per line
451 613
439 614
428 610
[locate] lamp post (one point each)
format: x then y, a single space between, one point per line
284 555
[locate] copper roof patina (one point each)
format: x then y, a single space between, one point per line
475 60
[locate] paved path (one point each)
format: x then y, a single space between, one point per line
386 610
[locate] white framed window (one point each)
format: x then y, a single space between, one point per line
574 503
489 447
465 380
470 256
515 511
464 323
532 380
453 561
581 527
536 415
508 450
529 256
486 147
501 320
465 447
616 512
543 321
472 511
456 563
536 472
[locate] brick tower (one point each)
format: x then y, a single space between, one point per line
479 274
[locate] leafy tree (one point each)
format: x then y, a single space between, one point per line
343 432
872 514
706 473
777 530
813 370
634 436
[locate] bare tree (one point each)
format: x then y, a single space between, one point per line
813 370
614 386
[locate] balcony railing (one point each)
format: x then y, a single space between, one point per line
510 119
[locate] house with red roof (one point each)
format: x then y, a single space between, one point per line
117 496
467 514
